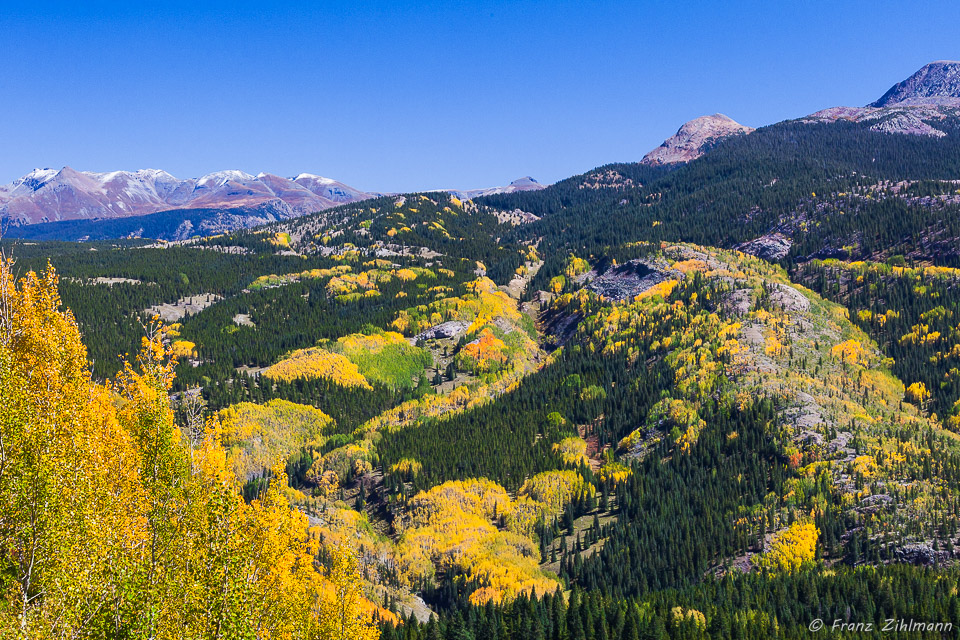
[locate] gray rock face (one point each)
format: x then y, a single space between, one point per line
937 82
908 123
921 554
877 499
692 138
450 329
773 246
629 280
788 298
903 118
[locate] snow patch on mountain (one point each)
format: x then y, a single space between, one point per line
47 195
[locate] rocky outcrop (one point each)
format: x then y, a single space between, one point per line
773 246
449 329
606 179
921 554
629 280
907 123
693 138
515 217
936 83
905 119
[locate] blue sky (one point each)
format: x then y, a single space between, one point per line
406 96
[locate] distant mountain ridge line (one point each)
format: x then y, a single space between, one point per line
525 183
907 108
911 107
49 195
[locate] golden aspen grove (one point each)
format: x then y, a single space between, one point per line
452 455
117 522
711 393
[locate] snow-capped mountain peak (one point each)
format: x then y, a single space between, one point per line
45 195
222 177
313 177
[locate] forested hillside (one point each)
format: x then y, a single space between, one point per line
117 522
719 399
827 189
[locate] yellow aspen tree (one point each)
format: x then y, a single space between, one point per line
113 523
68 472
164 469
339 608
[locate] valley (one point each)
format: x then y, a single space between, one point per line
714 393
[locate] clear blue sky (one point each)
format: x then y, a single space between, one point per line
405 96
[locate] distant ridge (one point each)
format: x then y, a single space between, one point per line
525 183
49 195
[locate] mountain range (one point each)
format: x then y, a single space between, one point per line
101 205
48 195
714 393
232 199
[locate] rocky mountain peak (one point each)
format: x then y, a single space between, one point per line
689 142
47 195
936 83
526 182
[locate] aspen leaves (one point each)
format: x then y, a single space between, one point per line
849 352
917 393
317 363
790 548
114 524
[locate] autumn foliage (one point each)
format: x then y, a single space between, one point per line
257 436
572 450
317 363
790 548
356 360
486 353
115 522
453 527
